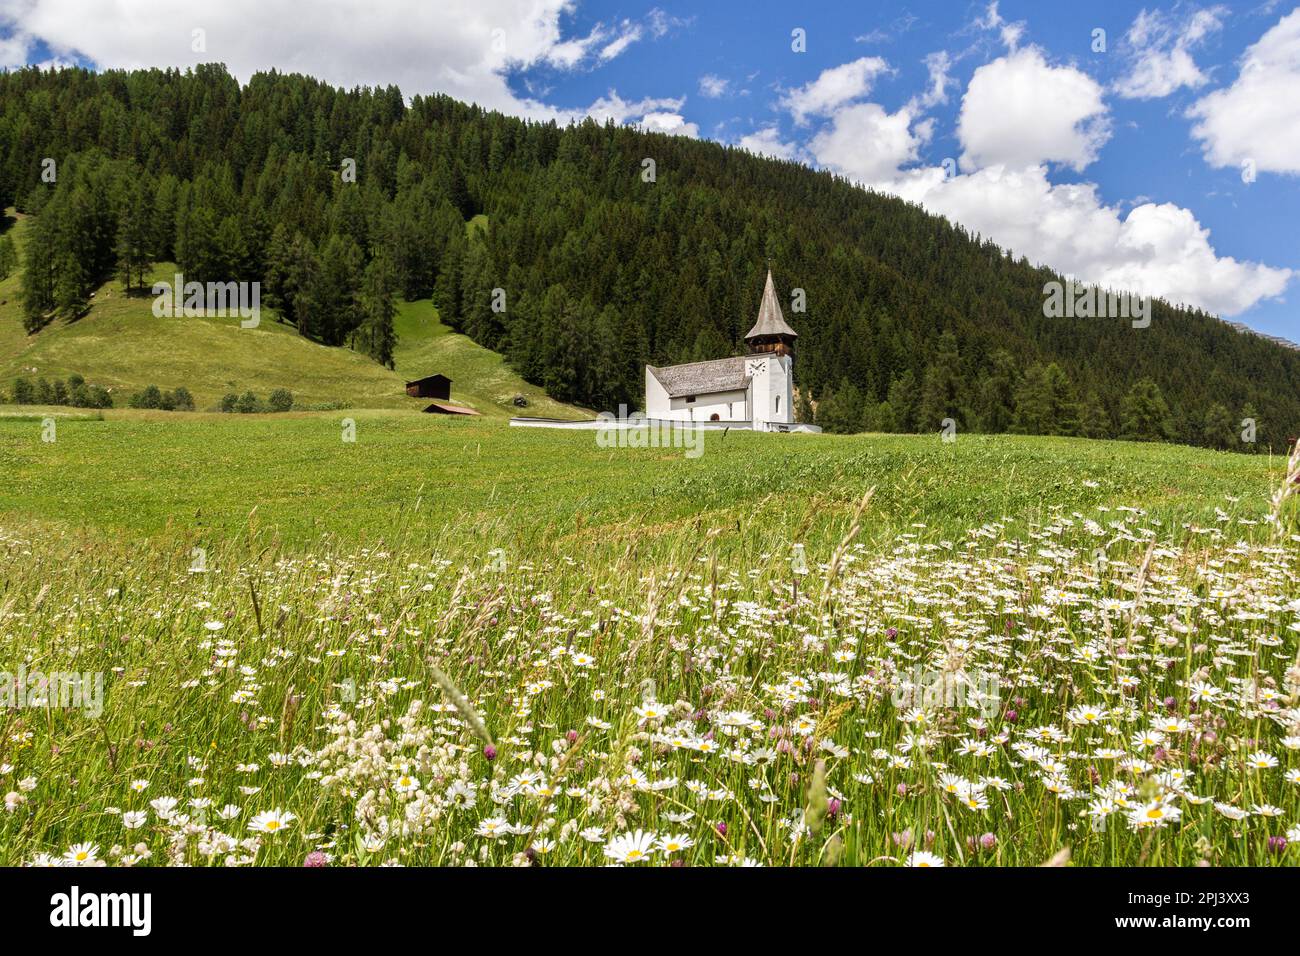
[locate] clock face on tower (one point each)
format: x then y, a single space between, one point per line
755 368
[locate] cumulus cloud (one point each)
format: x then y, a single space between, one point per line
673 123
1018 115
660 114
867 143
1257 118
1020 111
834 87
1157 249
465 48
1160 50
767 142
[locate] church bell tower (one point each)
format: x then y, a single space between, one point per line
770 364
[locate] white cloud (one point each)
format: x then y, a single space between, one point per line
1160 52
767 142
834 87
1257 118
465 48
713 86
937 64
631 33
13 51
867 143
611 106
1011 33
673 123
1156 249
662 23
1020 111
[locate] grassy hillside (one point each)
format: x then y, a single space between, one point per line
479 377
121 345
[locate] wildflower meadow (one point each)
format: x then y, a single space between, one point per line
1108 676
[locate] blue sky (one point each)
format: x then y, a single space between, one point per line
1126 165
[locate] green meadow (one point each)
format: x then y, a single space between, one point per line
460 482
243 640
372 636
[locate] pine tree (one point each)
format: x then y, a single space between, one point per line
134 237
333 297
1250 417
903 400
1033 402
996 398
38 277
879 417
378 307
940 386
8 257
1063 416
1144 415
1217 430
842 410
69 288
24 394
1094 420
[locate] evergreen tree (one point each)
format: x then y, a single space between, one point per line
333 297
1064 412
940 386
38 278
1218 430
996 398
8 257
1144 415
903 399
1033 402
135 237
842 410
879 417
378 307
70 299
1250 416
1094 420
24 394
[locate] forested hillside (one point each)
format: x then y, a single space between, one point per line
585 266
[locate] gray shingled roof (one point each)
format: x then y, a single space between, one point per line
703 378
770 320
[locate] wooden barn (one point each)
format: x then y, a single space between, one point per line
431 386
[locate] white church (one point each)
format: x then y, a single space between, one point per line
748 391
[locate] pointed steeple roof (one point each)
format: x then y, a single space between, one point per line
770 320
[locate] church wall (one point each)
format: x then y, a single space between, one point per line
728 406
657 404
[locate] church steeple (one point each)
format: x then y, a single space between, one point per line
770 333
